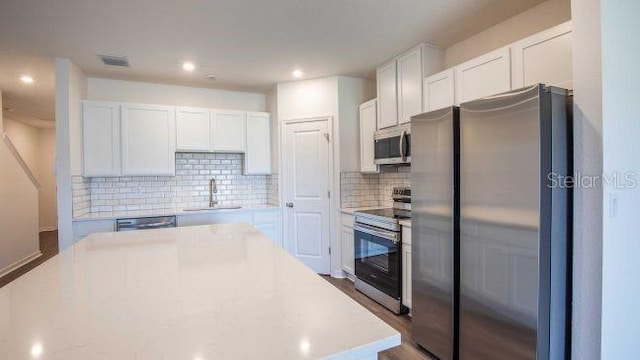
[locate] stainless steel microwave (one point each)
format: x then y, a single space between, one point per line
393 145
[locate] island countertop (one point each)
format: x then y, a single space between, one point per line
195 293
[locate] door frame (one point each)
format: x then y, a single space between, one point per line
334 187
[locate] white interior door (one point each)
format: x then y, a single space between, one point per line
305 167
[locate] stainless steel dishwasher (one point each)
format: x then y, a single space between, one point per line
146 223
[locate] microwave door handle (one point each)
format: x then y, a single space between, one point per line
404 133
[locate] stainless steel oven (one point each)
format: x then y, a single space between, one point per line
393 145
378 265
377 247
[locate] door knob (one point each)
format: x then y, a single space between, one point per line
289 204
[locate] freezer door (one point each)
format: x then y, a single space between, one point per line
434 235
500 157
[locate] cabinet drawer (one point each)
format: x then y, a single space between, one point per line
82 229
209 219
266 217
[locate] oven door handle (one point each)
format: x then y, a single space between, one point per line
388 235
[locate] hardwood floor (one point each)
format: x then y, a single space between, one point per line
48 247
408 350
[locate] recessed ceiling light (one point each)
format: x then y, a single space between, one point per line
26 79
188 66
211 77
297 73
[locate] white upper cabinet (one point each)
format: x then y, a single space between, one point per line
387 95
257 159
368 120
409 84
483 76
545 57
439 91
148 139
228 131
193 129
101 138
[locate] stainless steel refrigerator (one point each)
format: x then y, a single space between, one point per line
435 226
515 230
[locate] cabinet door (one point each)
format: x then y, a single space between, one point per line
257 159
228 131
271 231
483 76
368 120
409 85
101 138
348 256
545 57
406 275
192 129
148 140
439 91
387 95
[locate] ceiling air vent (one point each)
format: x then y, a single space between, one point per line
114 60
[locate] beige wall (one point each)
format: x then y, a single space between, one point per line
536 19
47 178
18 212
37 147
25 139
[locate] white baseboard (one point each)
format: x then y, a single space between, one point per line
20 263
48 228
337 274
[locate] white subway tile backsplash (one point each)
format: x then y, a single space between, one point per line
363 190
189 188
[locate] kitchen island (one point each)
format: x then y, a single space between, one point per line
195 293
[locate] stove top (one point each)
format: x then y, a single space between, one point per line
398 214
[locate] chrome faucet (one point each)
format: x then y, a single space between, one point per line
213 189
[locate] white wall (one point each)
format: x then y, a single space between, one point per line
621 131
71 88
47 176
308 98
339 98
19 240
148 93
587 246
534 20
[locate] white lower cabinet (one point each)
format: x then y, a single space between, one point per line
406 266
266 220
347 251
82 229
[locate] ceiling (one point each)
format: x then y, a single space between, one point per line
246 44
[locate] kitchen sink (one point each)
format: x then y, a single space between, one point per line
221 207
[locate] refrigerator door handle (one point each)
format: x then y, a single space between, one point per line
402 136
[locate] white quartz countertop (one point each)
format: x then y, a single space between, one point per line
350 211
202 292
107 215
